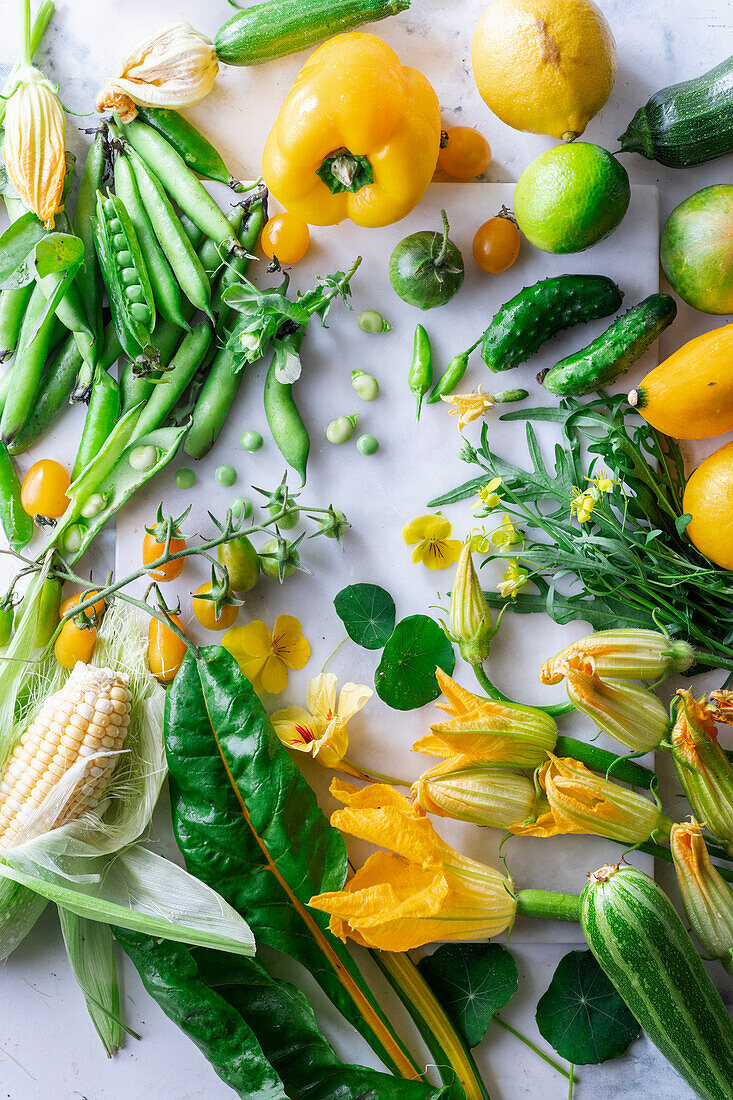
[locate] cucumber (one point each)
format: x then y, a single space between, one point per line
538 312
686 124
281 27
613 352
639 941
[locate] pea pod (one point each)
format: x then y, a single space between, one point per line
420 378
16 523
211 254
166 392
286 423
13 303
137 387
89 277
45 610
28 366
103 412
196 150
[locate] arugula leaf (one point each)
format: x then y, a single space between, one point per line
368 612
472 981
247 821
581 1015
599 613
405 678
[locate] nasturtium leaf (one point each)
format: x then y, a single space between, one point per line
581 1015
472 981
368 613
405 678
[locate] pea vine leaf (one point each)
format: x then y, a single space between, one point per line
581 1015
405 678
472 981
368 612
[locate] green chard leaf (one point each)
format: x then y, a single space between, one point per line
405 678
581 1015
247 822
368 613
472 981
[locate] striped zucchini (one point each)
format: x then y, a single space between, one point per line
640 942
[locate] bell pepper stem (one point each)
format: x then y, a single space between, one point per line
493 693
528 1043
548 905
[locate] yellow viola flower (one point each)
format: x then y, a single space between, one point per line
706 896
513 580
507 534
420 890
488 497
319 728
265 655
469 406
431 537
582 504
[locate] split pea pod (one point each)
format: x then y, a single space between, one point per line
180 182
196 150
28 367
16 523
286 424
89 277
103 412
185 363
420 378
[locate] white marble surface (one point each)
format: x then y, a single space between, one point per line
47 1048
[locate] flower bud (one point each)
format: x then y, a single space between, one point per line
622 655
35 134
706 896
481 794
628 712
174 66
469 616
702 767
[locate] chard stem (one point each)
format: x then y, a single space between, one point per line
540 1053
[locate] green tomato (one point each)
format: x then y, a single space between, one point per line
365 385
341 429
372 322
251 441
426 268
367 445
269 566
240 559
241 507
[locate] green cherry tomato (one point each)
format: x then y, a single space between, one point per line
251 441
269 565
226 476
341 429
367 445
426 268
241 507
372 322
242 564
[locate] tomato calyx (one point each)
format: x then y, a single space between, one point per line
166 527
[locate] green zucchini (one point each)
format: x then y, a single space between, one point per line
613 352
538 312
635 934
686 124
280 27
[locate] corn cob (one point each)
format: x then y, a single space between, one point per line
88 716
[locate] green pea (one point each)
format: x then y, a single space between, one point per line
134 294
129 276
367 445
72 538
226 476
115 227
341 429
251 441
241 507
365 385
185 478
140 313
371 321
124 258
143 458
93 506
119 241
109 208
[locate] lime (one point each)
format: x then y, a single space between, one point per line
571 197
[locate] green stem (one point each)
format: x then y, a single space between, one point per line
333 654
548 905
528 1042
499 696
349 768
600 760
40 23
439 259
26 34
660 852
713 659
572 1082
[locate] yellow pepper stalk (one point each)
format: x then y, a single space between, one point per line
706 896
357 136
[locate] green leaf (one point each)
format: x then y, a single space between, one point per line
599 613
405 678
248 823
26 249
681 523
461 492
472 981
91 950
368 613
581 1015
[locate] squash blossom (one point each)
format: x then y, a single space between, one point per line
420 890
469 406
469 617
703 769
706 896
34 145
486 731
320 730
582 802
479 793
628 712
621 655
174 66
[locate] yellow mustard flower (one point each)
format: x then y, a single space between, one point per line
469 406
513 580
265 655
430 535
602 482
419 891
507 534
487 495
478 541
582 504
319 728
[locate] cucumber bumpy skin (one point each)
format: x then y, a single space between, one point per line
613 352
539 312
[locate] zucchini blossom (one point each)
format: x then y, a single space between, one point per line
469 617
621 655
34 144
706 896
479 793
702 767
630 713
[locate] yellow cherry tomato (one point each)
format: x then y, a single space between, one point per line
286 238
74 644
71 601
165 649
205 611
496 244
43 492
466 153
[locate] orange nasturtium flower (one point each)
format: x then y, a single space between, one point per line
431 537
264 656
320 730
420 890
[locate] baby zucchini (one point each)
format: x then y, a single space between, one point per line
541 311
613 352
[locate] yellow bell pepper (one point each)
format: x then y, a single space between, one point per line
356 137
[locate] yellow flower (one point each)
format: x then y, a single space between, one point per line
702 766
487 495
582 504
435 548
320 730
513 580
602 482
630 713
706 896
621 655
507 534
469 406
263 656
478 541
480 793
419 891
469 617
35 138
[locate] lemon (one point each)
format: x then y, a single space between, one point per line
546 66
571 197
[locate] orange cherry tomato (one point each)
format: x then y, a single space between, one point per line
165 649
205 611
43 492
286 237
466 153
496 244
153 550
74 644
98 608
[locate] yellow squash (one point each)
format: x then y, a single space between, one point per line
357 136
709 500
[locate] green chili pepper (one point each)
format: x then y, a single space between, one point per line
420 378
28 366
103 413
198 153
16 523
286 423
88 277
452 375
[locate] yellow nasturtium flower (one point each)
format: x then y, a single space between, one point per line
431 537
420 890
264 656
320 730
